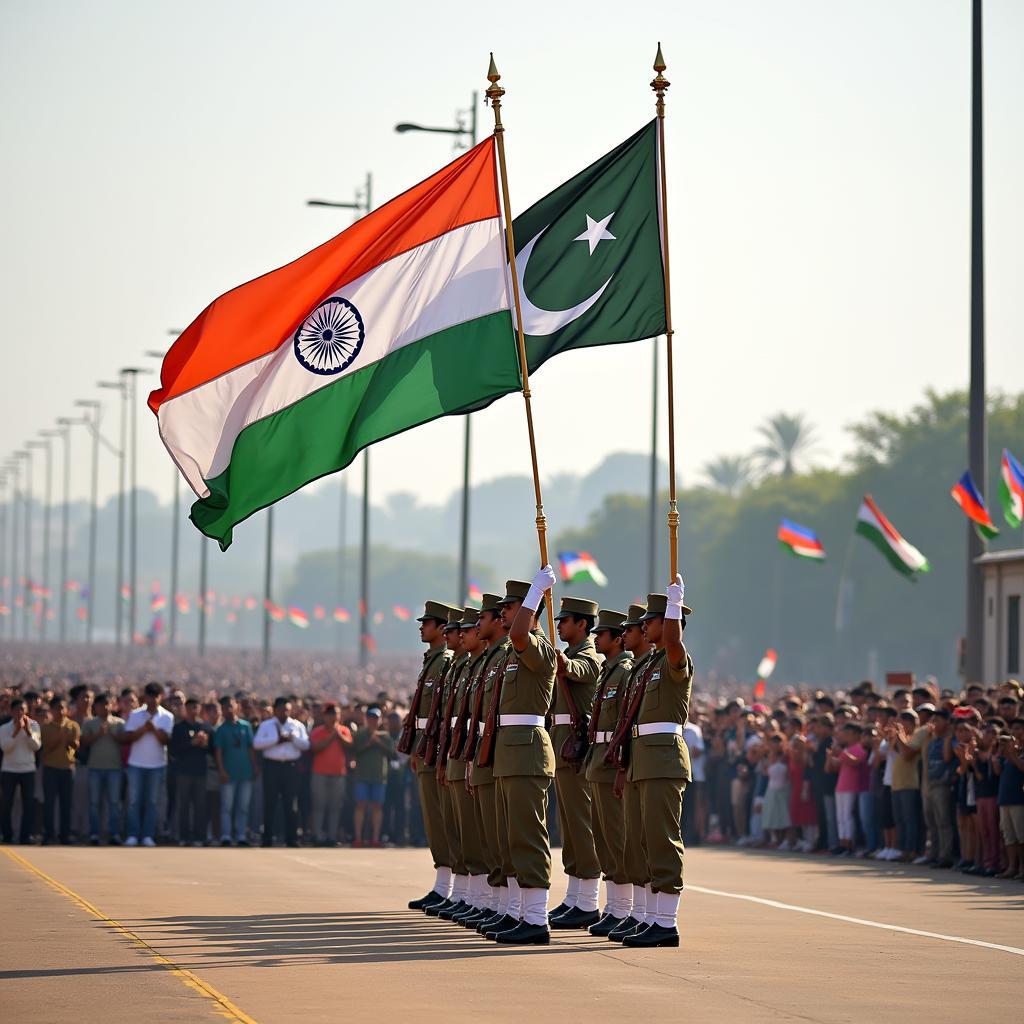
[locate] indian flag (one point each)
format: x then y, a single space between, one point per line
1011 489
766 666
902 555
400 319
579 567
475 597
298 617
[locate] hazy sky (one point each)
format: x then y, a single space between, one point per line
158 154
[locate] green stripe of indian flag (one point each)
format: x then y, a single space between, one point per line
453 279
902 556
323 432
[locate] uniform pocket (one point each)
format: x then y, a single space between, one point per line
652 695
517 735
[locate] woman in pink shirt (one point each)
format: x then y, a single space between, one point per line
849 758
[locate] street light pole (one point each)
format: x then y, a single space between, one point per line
460 131
4 577
44 588
204 550
14 469
93 423
121 386
131 373
268 583
26 593
64 433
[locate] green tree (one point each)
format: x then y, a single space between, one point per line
788 441
729 473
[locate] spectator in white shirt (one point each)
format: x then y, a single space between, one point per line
20 739
281 739
147 731
693 799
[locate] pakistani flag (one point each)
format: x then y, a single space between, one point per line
589 255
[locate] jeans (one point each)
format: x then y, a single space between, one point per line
234 809
906 804
280 782
191 795
105 782
144 787
831 824
328 797
938 814
868 819
11 783
57 786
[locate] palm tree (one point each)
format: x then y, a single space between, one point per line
729 473
788 440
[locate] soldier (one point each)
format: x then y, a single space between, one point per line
634 849
609 822
440 730
470 841
577 671
435 662
480 778
660 762
524 762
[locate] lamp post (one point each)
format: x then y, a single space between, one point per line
130 374
4 507
63 431
362 205
26 594
463 132
92 421
44 589
122 387
268 583
14 468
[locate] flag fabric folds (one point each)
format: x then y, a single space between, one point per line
970 499
579 567
901 554
800 541
1011 489
400 319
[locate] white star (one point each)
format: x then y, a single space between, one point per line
597 231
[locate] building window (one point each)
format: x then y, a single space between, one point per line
1013 634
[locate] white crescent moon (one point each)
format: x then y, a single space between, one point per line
541 322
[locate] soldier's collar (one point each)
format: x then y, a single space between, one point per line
581 645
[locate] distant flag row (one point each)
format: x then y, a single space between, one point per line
580 567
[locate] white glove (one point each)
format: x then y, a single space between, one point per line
674 593
543 581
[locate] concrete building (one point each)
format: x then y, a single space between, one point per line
1004 614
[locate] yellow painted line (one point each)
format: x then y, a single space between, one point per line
224 1006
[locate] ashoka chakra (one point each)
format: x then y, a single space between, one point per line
330 337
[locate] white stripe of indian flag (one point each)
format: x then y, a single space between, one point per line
901 554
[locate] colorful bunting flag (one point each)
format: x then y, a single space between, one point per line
341 614
800 541
475 597
970 499
402 613
1011 489
900 553
579 567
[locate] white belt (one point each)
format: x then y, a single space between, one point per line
603 737
562 720
480 726
454 720
536 720
421 723
659 729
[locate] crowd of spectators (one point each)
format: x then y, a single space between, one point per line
926 776
94 750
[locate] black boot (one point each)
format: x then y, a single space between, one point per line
526 935
434 909
576 918
425 901
626 927
485 923
505 923
558 911
605 925
464 915
653 935
458 907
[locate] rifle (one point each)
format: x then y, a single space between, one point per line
404 744
468 749
427 746
485 755
574 749
444 742
619 747
458 737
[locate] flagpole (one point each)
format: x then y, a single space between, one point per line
660 85
494 94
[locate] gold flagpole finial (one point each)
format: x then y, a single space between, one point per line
660 82
494 91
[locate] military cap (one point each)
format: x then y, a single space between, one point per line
515 590
576 606
608 619
490 603
634 615
435 610
454 618
656 605
470 618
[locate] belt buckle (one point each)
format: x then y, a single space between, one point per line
636 732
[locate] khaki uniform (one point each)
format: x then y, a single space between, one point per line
469 834
634 850
485 792
435 666
449 812
659 765
524 761
609 818
575 814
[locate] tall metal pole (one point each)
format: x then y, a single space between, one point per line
268 585
26 594
94 426
204 551
652 510
133 535
121 386
15 547
43 587
977 442
364 551
64 534
4 502
173 596
342 522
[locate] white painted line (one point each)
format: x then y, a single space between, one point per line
855 920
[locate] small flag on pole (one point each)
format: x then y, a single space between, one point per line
901 554
765 668
970 499
341 615
1011 489
298 618
800 541
580 567
475 597
402 613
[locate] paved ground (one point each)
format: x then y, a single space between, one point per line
274 936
